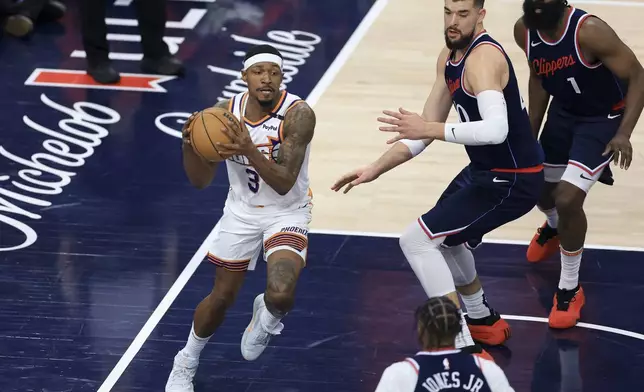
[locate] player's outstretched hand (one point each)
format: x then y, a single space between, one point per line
187 127
355 178
409 125
620 145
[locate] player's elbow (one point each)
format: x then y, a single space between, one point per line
199 184
199 177
199 181
285 186
282 191
199 173
498 131
495 117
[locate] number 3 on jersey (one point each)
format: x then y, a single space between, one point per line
253 180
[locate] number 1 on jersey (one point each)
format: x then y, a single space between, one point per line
253 180
574 84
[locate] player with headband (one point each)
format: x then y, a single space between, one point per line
268 208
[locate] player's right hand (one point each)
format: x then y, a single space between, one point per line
187 126
356 177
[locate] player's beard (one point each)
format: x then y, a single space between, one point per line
547 18
268 104
460 43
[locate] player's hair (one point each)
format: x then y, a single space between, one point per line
438 321
258 49
477 3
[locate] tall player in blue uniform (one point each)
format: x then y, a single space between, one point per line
502 182
597 89
441 367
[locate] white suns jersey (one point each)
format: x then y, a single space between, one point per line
245 182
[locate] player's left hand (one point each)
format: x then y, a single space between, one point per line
620 145
242 144
408 125
187 128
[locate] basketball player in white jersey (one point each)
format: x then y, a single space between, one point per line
440 366
268 207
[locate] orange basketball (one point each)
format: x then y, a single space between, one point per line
206 132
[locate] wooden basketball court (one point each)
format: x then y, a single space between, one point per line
393 66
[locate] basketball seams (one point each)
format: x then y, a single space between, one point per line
194 145
203 121
223 119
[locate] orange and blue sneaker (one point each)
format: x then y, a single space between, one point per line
566 308
491 330
544 244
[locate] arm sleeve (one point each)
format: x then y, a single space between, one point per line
492 129
398 377
496 379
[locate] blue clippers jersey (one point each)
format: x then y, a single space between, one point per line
520 150
576 86
449 371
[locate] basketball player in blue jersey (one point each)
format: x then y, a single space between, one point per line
502 182
597 89
440 366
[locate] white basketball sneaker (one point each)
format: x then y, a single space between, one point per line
257 336
182 374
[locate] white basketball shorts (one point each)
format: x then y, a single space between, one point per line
244 230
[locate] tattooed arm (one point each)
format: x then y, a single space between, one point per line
199 172
281 174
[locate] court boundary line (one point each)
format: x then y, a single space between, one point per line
196 260
596 327
485 241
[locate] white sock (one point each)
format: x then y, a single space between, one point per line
268 320
552 217
475 305
570 262
464 339
195 344
425 258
